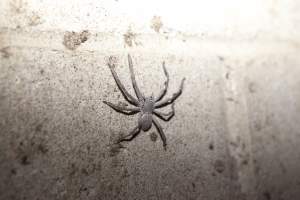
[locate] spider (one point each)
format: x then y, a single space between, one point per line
145 106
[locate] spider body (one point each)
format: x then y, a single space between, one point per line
145 106
145 119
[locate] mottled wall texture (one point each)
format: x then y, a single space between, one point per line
236 130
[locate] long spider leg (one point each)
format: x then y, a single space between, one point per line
122 109
171 99
133 134
166 84
134 84
121 87
161 132
165 116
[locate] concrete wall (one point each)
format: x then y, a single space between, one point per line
236 131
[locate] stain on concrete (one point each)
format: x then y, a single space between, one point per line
34 19
130 38
42 148
219 166
252 87
156 23
227 75
39 127
211 146
13 171
72 40
153 136
25 160
267 195
221 58
5 52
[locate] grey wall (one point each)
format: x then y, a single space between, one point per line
236 131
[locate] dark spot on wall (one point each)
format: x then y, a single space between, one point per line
34 19
75 67
115 149
42 71
88 148
227 75
72 40
130 38
267 195
84 191
153 136
219 166
84 171
24 160
211 146
252 87
41 148
230 99
73 170
221 58
5 52
194 186
13 171
38 128
156 23
245 162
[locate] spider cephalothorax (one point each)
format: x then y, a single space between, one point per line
145 106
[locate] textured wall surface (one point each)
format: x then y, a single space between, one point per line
236 131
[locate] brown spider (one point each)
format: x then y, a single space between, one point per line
145 106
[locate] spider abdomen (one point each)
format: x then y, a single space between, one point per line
145 121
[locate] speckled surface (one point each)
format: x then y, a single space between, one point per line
235 134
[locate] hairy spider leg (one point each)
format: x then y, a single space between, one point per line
161 132
165 116
166 84
122 109
138 93
121 87
171 99
133 134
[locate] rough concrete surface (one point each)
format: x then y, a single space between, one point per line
236 130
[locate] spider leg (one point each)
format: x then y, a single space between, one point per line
166 84
134 84
122 109
171 99
165 116
121 87
133 134
161 132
